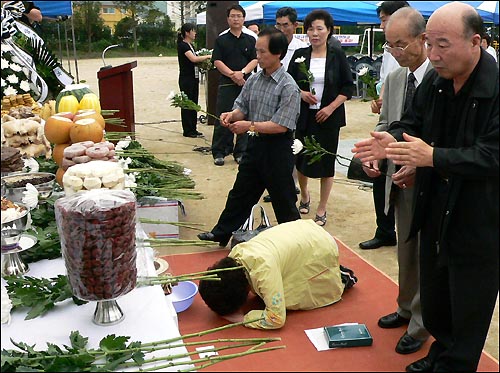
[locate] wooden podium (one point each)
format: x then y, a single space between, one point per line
116 92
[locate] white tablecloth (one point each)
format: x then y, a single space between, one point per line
149 315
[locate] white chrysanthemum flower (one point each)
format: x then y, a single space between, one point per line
3 83
15 67
6 306
297 146
4 63
12 79
171 95
187 171
9 91
30 198
363 71
6 47
300 59
124 162
26 71
123 144
16 60
30 165
25 86
129 180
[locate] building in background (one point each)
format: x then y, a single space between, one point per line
111 14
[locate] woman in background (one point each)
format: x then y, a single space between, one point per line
322 107
189 80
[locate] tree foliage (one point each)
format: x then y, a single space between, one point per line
137 11
88 23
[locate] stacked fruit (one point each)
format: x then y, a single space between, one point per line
78 119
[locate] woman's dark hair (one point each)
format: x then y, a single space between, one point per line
278 43
230 293
486 37
184 29
287 11
236 7
389 7
319 14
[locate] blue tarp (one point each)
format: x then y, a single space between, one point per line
343 12
360 12
53 9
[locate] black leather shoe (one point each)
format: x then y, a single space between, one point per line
219 161
422 365
408 345
206 236
209 236
393 320
267 198
375 243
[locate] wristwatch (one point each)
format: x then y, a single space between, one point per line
243 71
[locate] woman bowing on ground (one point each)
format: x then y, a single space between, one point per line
322 112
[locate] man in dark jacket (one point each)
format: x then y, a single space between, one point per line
451 134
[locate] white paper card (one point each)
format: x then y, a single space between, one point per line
208 353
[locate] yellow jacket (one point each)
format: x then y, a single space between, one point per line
293 266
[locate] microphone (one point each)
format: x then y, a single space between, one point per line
104 51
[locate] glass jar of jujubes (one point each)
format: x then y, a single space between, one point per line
97 231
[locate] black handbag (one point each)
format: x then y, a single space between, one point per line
355 171
246 232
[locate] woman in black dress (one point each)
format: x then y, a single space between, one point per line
189 81
322 107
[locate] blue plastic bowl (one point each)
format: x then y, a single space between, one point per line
182 295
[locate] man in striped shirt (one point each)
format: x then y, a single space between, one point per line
267 108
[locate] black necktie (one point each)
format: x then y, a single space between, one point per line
410 90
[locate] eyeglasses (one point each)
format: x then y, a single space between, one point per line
235 16
396 50
284 25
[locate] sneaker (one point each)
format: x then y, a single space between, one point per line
219 161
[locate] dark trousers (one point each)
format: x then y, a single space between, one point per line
223 138
458 290
267 164
385 223
191 87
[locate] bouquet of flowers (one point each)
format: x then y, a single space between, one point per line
14 75
369 80
206 65
309 76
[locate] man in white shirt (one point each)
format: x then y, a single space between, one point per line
286 22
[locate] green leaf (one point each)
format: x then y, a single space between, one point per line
113 343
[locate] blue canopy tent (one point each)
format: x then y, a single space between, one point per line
343 12
54 9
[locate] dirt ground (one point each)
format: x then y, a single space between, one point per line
351 216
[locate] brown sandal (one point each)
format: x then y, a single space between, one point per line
320 220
